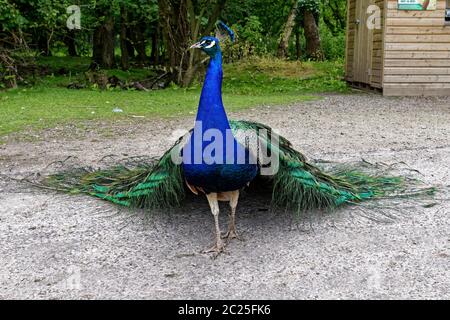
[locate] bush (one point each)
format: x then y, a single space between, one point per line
249 41
333 46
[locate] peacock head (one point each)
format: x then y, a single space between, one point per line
209 45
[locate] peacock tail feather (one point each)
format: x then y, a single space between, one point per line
148 185
297 185
301 186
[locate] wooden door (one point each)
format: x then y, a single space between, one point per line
363 43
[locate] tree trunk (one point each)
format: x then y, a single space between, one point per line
124 58
130 46
313 47
41 39
69 40
297 44
155 47
175 27
287 31
103 46
139 44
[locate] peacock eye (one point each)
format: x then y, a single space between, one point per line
209 44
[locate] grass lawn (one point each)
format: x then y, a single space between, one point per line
248 84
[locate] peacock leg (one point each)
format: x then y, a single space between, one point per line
232 232
219 246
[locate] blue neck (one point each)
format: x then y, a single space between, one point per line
211 111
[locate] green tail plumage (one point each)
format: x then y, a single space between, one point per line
157 185
301 186
297 185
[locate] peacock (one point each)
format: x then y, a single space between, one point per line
218 158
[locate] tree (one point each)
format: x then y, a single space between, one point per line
271 14
313 46
308 17
131 20
334 15
183 22
12 41
70 42
287 31
124 49
141 26
103 43
160 31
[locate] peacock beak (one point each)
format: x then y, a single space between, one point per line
197 45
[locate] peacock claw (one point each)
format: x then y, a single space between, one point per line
231 234
216 249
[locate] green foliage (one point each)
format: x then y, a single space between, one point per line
249 41
257 23
333 45
251 32
10 17
267 19
270 13
42 26
334 14
42 14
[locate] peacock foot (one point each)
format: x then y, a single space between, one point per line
216 249
231 234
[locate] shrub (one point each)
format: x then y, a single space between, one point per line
333 46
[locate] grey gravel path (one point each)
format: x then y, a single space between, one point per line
55 246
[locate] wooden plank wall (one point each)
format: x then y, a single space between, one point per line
350 45
376 79
362 64
416 52
376 47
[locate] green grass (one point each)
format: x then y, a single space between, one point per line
284 78
254 83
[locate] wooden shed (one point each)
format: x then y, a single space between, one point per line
400 47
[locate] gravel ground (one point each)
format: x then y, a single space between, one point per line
55 246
